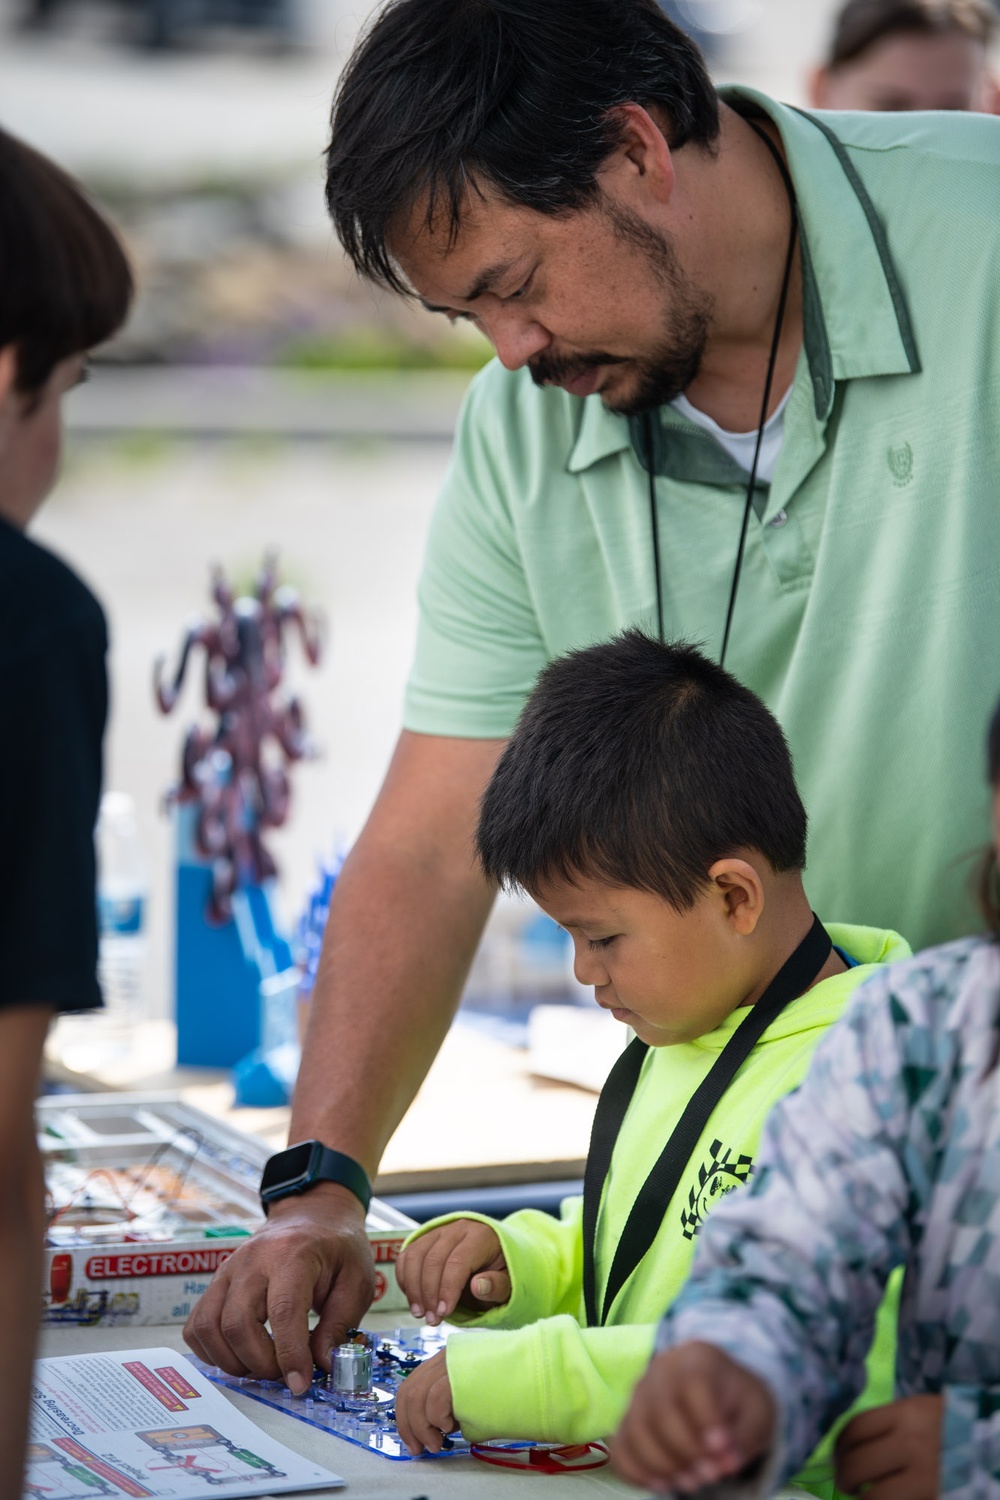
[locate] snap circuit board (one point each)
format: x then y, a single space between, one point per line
379 1363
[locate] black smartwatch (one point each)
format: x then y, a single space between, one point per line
301 1167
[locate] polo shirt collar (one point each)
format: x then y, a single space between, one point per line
856 322
856 319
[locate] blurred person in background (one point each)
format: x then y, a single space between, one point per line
65 286
909 54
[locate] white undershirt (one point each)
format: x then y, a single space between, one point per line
741 445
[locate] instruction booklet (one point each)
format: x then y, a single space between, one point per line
145 1423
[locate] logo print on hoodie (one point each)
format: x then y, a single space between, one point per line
721 1174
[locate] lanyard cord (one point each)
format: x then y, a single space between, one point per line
654 522
768 382
794 977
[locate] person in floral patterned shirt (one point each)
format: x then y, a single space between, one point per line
888 1155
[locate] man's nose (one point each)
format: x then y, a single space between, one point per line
515 337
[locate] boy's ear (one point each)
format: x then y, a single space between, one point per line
742 891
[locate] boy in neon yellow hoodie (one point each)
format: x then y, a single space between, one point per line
646 800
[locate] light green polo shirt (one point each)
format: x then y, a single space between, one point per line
868 616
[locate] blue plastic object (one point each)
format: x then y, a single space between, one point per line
368 1422
219 970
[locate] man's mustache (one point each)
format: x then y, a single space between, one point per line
547 369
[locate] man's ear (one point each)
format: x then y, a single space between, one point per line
8 373
742 892
642 156
817 83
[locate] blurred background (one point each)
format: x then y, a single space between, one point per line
260 396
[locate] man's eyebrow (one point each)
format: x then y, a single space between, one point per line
484 282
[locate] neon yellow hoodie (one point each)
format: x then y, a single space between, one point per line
545 1375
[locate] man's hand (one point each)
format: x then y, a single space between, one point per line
696 1417
892 1452
423 1406
461 1262
312 1254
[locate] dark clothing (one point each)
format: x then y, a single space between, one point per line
53 707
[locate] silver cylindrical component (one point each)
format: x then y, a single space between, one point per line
351 1370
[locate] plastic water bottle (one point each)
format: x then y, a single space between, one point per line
121 902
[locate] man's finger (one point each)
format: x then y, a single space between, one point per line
289 1298
345 1306
227 1325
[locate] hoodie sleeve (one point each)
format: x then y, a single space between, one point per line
553 1380
528 1369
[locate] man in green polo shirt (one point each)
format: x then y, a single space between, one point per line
716 292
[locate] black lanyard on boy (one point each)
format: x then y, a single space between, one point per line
646 1215
762 424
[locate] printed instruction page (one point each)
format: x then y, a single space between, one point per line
144 1423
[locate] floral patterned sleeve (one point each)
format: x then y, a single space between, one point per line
790 1271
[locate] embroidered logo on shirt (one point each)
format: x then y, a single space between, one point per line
900 465
721 1174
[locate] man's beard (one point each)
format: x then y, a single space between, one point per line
670 369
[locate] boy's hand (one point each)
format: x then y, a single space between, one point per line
892 1452
696 1417
423 1406
460 1262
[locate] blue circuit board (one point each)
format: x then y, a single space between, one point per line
369 1421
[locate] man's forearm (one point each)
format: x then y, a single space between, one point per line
407 914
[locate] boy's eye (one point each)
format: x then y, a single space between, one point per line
604 942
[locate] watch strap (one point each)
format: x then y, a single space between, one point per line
325 1165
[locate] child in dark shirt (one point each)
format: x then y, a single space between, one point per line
65 286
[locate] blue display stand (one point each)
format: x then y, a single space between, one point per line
219 970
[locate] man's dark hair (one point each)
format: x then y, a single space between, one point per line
65 283
640 764
519 96
862 23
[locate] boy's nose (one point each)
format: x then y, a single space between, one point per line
587 966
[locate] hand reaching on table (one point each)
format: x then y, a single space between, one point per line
424 1414
460 1263
312 1254
696 1417
892 1451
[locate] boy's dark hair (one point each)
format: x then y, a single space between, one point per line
514 95
862 23
65 284
641 764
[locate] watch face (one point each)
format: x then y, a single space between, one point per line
288 1171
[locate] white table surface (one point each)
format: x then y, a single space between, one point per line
367 1474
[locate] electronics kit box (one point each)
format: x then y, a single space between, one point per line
147 1197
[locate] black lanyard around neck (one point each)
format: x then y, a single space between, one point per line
786 282
646 1215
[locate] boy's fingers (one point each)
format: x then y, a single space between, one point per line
404 1426
438 1405
751 1416
639 1451
492 1287
874 1423
453 1280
